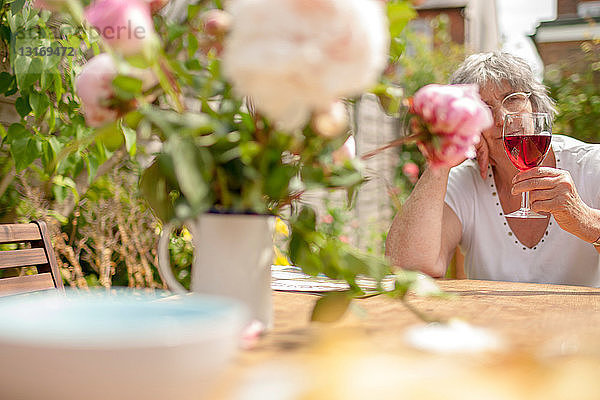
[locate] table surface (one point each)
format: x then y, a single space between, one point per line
534 321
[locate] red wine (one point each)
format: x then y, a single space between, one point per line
527 151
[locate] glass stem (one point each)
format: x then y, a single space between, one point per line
525 201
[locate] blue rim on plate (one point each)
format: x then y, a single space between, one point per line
116 318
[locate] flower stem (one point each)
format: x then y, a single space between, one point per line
74 8
162 73
394 143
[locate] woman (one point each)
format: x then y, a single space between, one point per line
465 205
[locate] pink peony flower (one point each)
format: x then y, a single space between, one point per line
296 56
94 88
216 22
455 115
411 171
125 25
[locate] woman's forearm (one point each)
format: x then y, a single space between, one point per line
415 238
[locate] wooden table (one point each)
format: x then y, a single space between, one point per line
551 335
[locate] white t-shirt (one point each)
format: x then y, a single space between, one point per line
493 252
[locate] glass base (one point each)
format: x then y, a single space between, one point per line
525 213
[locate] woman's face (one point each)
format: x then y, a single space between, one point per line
493 95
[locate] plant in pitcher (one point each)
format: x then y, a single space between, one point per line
247 103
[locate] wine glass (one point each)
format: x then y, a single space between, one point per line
527 138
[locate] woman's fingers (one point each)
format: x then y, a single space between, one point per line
538 172
551 190
545 200
538 184
542 178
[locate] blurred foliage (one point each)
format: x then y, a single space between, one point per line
109 239
430 56
181 251
84 181
577 94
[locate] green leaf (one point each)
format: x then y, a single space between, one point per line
46 80
192 44
16 6
307 220
157 191
5 32
130 140
331 307
52 120
22 106
193 11
2 131
346 178
397 48
111 135
167 168
187 170
34 72
312 174
23 146
21 66
5 81
68 183
132 119
92 167
27 70
16 131
48 155
399 14
39 103
175 31
198 81
127 87
277 181
56 145
58 86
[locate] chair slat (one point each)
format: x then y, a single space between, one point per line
52 264
11 233
38 252
28 283
20 258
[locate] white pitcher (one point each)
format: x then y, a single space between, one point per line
232 257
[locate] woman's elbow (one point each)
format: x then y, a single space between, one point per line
434 270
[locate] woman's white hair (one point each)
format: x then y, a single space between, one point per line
497 68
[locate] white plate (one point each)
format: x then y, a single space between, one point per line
115 345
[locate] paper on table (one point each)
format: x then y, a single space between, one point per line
291 279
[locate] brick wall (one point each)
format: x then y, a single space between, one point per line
565 8
561 52
456 24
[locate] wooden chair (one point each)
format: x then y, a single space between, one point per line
40 254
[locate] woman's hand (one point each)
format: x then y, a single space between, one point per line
552 190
